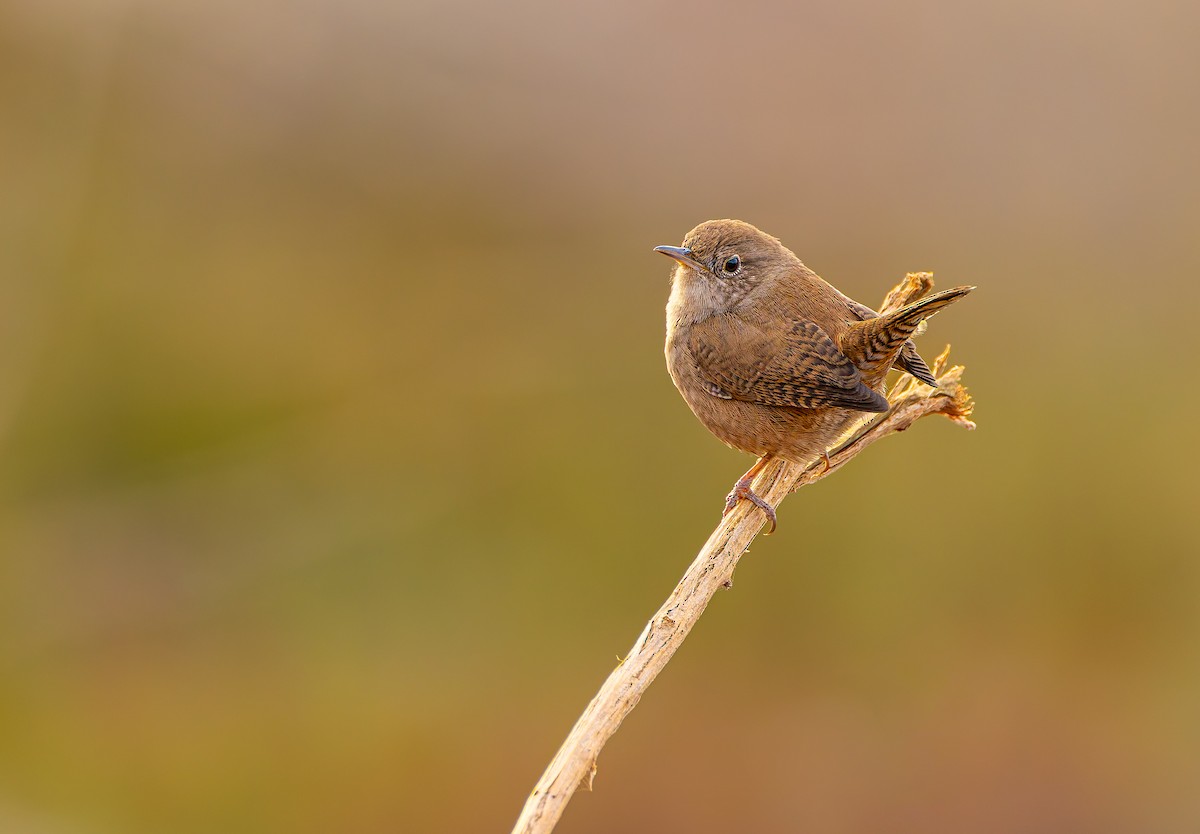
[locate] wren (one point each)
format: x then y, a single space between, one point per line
773 360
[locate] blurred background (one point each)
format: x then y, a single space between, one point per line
339 462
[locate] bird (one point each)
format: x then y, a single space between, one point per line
773 360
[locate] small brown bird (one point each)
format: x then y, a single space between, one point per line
772 359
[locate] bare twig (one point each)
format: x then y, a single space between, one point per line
574 766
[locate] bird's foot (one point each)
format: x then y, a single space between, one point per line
828 462
742 490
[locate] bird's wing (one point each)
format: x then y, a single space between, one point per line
797 366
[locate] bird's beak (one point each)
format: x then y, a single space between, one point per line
681 254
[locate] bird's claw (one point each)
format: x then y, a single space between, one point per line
742 490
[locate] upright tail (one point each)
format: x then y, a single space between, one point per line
874 344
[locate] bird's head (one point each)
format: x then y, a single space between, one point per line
722 262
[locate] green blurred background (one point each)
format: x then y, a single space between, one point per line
339 461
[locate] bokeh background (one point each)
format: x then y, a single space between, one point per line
339 463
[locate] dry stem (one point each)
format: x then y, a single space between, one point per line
574 766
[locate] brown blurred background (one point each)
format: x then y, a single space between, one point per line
339 462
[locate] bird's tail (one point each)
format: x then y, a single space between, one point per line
874 344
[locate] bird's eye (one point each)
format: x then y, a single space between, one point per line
732 265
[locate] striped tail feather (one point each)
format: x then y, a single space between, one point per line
874 344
